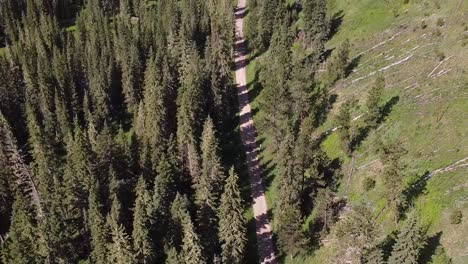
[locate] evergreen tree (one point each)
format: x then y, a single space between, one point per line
232 231
97 226
119 249
409 243
208 188
344 126
291 238
372 104
21 246
356 234
126 39
17 165
338 63
141 235
393 176
154 127
192 250
275 97
375 256
190 111
287 216
315 25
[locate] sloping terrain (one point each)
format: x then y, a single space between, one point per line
421 48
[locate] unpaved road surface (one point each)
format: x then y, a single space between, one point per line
266 249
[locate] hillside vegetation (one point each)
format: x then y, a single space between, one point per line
420 49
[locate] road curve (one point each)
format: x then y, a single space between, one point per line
266 249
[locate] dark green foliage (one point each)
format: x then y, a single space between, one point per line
232 226
275 98
288 219
22 244
375 256
409 243
261 23
141 235
119 247
109 117
208 188
190 111
315 25
96 223
291 238
192 250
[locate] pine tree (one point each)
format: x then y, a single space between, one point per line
192 250
409 243
119 249
291 238
126 39
208 188
372 104
275 99
154 110
97 226
287 216
338 63
232 230
21 246
393 176
17 165
141 235
315 25
356 234
375 256
190 111
344 126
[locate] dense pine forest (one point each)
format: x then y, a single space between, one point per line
121 142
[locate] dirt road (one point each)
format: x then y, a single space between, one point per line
266 249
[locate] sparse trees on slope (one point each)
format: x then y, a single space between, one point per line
232 229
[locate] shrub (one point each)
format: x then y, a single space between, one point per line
423 24
368 184
456 217
439 55
440 22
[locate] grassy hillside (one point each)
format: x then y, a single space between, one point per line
421 48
